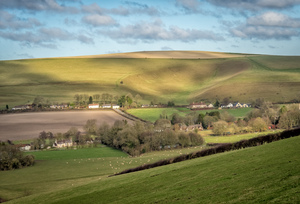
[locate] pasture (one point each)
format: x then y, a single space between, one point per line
68 168
153 114
24 126
163 78
261 174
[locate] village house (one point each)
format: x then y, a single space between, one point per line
22 107
237 105
94 106
24 147
63 143
197 105
61 106
106 106
210 106
185 128
114 106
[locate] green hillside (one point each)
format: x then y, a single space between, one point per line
262 174
243 78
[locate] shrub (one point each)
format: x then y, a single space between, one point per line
12 158
220 127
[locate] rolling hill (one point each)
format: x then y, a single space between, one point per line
179 76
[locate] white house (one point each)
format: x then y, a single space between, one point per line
106 106
22 107
237 105
93 106
114 106
210 106
198 105
63 143
24 147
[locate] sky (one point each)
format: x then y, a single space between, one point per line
58 28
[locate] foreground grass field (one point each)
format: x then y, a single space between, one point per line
153 114
243 78
61 169
263 174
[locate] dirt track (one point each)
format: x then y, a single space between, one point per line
29 125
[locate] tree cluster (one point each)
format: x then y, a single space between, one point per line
264 117
140 137
11 157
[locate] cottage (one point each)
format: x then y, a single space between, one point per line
114 106
61 106
24 147
210 106
63 143
94 106
106 106
197 105
22 107
237 105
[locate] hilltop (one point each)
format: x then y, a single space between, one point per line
167 55
179 76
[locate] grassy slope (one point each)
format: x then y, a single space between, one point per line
244 78
263 174
62 169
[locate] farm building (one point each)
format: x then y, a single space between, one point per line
63 143
114 106
197 105
22 107
61 106
24 147
93 106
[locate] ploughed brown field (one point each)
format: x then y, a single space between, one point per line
24 126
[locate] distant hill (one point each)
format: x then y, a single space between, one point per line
160 76
168 55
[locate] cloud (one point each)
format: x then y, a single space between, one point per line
93 8
264 33
165 48
189 6
10 21
269 25
45 37
99 20
255 4
129 8
86 40
40 5
152 31
274 19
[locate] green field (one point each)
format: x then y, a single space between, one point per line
262 174
243 79
210 138
153 114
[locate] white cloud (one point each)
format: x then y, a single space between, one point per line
255 4
191 6
152 31
274 19
99 20
11 21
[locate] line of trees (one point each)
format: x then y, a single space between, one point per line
127 100
11 157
